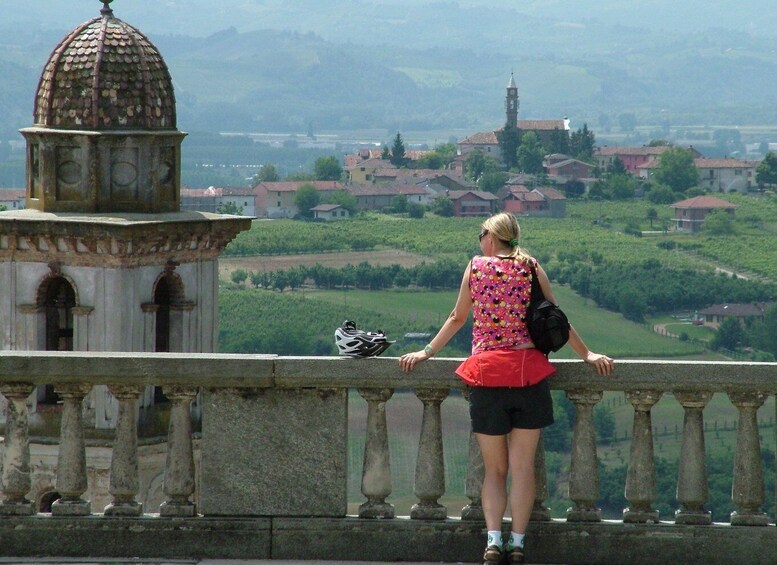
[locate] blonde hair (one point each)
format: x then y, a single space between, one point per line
504 227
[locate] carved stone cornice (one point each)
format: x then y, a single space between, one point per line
117 240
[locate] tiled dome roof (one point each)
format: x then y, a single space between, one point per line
105 75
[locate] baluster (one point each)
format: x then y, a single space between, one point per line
641 475
16 481
376 470
747 491
540 512
179 467
692 487
584 471
71 462
124 463
430 465
473 485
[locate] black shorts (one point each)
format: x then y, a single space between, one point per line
497 410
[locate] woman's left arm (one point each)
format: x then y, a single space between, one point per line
604 365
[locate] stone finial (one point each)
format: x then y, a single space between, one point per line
106 9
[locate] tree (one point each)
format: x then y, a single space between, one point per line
443 206
399 204
478 163
729 335
763 334
229 208
509 139
492 181
328 168
582 143
604 423
766 172
397 157
415 210
574 189
676 169
385 154
267 173
305 198
558 141
430 160
616 167
447 151
238 276
661 194
621 187
652 215
530 154
344 199
718 222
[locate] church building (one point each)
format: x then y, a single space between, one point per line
488 141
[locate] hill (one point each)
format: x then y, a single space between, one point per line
278 66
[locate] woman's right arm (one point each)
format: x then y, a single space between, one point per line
456 319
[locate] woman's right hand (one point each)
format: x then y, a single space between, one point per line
409 360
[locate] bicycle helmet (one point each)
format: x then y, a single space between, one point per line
353 342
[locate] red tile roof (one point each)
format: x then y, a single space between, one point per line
704 203
385 190
456 194
724 164
292 186
481 138
610 151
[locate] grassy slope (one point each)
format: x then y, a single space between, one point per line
602 330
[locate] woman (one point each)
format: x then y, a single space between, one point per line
510 399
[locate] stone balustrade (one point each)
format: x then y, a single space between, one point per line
272 478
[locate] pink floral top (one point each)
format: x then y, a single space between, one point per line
500 288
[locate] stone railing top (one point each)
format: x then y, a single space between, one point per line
228 370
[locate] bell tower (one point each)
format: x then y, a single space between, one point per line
511 103
103 259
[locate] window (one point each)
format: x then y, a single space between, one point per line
59 302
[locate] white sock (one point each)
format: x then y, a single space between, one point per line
516 540
494 538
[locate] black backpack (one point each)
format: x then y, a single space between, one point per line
548 325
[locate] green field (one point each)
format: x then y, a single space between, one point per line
601 330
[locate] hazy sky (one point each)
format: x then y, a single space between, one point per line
203 17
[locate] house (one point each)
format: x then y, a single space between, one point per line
690 213
714 315
544 201
472 203
363 171
563 168
276 199
212 199
726 175
633 158
377 197
329 212
365 153
13 198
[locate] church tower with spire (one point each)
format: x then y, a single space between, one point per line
511 103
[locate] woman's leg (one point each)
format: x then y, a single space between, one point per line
522 447
494 493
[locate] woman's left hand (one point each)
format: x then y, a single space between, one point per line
603 364
409 360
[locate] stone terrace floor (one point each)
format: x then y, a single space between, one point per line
118 561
